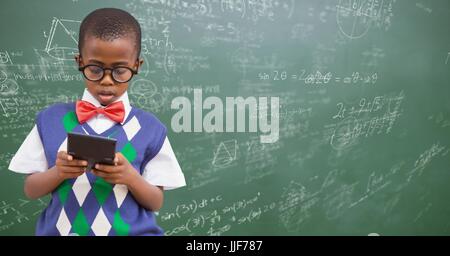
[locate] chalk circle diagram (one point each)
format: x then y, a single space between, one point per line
355 17
143 87
147 95
62 42
8 87
156 103
3 76
344 134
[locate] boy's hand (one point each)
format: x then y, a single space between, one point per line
67 167
122 172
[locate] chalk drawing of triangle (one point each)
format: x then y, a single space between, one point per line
223 155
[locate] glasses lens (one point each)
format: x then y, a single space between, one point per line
93 73
122 74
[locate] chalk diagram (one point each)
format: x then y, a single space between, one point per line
62 42
225 153
7 86
355 17
3 76
147 95
143 87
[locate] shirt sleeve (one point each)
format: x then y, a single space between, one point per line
164 170
30 157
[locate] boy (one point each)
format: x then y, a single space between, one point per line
114 199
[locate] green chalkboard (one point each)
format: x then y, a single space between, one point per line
362 89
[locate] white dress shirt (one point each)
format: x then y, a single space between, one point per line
163 170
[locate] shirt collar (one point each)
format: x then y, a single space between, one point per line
87 96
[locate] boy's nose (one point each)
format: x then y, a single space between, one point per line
107 78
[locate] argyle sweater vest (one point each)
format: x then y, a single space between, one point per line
88 205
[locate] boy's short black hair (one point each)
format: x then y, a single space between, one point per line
109 24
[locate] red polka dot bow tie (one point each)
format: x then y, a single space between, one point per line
86 110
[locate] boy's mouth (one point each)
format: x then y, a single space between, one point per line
105 96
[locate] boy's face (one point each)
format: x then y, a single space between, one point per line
108 54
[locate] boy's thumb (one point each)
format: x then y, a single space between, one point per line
118 158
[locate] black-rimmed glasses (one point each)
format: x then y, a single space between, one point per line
119 74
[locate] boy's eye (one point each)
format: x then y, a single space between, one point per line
95 69
120 71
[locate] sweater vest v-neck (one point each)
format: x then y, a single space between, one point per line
88 205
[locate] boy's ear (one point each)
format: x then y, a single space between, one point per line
139 63
78 59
